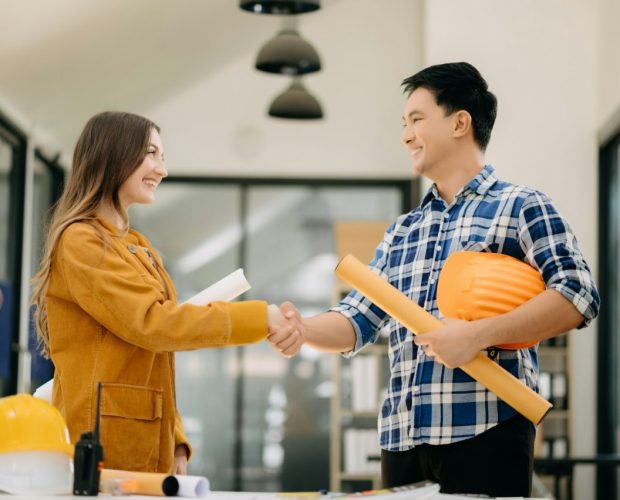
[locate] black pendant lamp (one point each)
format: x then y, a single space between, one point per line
288 53
296 103
285 7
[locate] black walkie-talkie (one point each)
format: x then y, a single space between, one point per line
88 459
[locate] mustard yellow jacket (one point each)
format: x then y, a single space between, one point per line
113 318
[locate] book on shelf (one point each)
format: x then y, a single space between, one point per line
361 447
364 383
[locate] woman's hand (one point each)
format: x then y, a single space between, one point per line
180 460
284 331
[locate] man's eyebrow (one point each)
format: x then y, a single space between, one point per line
413 112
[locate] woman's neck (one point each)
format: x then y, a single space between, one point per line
110 213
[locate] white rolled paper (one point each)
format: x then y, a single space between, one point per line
45 391
193 486
225 289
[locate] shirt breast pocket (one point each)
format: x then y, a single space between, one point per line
479 246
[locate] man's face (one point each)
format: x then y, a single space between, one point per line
427 132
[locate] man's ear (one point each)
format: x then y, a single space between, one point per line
461 124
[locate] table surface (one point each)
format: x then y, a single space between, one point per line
233 495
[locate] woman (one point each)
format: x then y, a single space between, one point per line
106 307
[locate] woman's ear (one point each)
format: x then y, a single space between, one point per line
462 123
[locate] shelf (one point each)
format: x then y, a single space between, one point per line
360 414
557 414
350 476
552 351
378 349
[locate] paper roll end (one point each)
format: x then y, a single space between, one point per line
549 408
346 258
170 486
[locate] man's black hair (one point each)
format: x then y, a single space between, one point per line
459 86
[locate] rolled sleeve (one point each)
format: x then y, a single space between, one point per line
551 247
365 317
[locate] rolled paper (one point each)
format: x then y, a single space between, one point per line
193 486
416 319
158 484
149 483
44 391
226 289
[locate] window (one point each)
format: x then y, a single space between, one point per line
12 168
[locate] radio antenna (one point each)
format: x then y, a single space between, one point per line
96 433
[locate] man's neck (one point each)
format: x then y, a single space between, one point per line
456 172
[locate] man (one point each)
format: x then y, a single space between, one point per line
436 422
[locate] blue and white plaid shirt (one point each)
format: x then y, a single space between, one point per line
427 402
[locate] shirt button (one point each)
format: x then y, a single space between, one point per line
432 281
438 248
131 248
446 215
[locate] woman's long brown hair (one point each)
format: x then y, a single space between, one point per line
111 146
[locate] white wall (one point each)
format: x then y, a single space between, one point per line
608 102
219 126
538 57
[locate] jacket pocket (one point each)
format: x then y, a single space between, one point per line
131 418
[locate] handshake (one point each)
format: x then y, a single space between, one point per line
286 330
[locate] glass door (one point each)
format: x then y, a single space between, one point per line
47 187
256 419
12 167
291 256
197 229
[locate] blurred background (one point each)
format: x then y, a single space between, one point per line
264 193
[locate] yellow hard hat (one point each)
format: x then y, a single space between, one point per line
477 285
31 424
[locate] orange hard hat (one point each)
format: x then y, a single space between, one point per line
476 285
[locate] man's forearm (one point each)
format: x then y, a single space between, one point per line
542 317
330 332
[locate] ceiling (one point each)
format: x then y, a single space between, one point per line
188 65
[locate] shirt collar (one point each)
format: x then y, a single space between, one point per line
480 184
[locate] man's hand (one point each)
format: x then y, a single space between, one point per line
284 332
455 344
180 460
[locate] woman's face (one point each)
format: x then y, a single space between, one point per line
141 185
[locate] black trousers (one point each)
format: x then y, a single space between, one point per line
498 462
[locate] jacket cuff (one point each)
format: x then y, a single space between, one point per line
248 322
